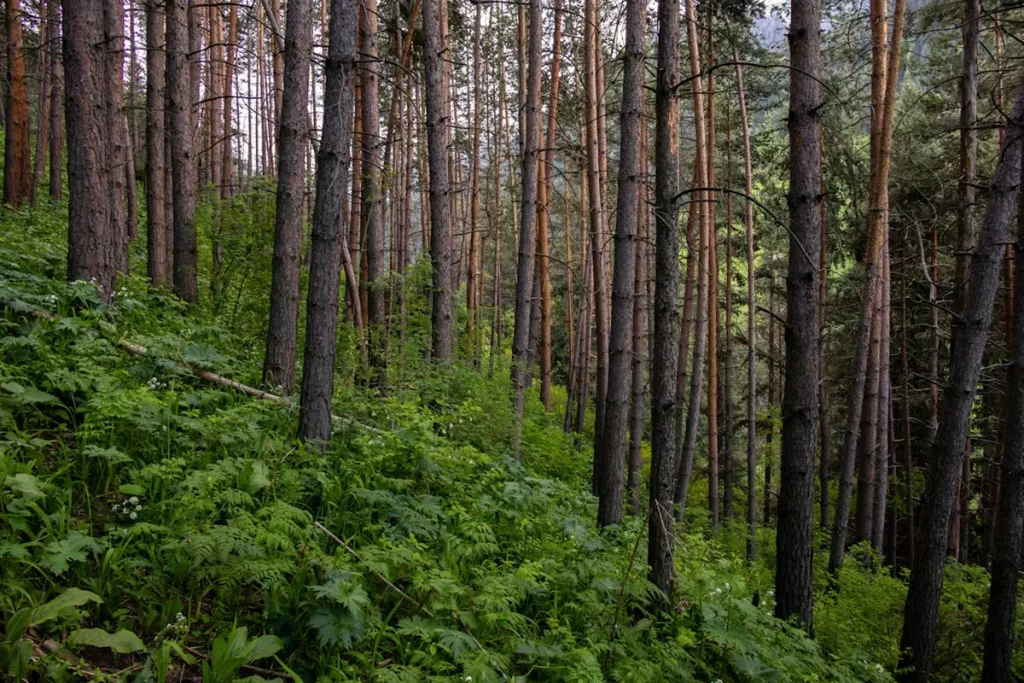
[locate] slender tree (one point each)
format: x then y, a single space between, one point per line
372 206
56 111
158 232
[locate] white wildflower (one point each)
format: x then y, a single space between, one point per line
133 515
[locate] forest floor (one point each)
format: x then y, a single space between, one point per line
158 526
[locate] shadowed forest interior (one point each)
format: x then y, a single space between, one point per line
561 340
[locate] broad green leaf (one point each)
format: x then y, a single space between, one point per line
72 597
132 489
23 394
264 646
122 642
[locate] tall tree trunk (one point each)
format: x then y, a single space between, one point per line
595 195
95 233
545 191
43 105
179 104
56 111
885 60
158 242
664 349
279 362
712 287
1009 519
328 238
527 223
794 543
372 209
824 432
17 152
726 456
636 415
472 267
748 215
881 453
921 612
226 182
684 469
440 213
620 357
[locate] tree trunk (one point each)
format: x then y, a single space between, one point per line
158 234
748 177
545 190
636 415
921 612
527 223
372 207
440 213
179 104
328 238
794 543
279 362
684 468
472 267
1009 520
620 357
664 350
17 152
43 104
56 111
726 455
94 244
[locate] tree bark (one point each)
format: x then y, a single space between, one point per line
158 233
1009 520
372 207
617 403
437 155
921 611
748 177
17 152
684 468
56 111
794 544
328 238
282 329
179 104
664 350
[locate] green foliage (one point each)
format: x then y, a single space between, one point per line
190 510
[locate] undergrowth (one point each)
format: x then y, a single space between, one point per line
158 527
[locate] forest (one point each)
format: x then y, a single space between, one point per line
466 340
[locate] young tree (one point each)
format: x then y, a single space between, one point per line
279 361
920 619
794 547
664 350
328 234
620 357
56 111
17 152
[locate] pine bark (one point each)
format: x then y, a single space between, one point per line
17 152
328 236
1009 519
158 233
56 111
179 105
372 206
794 544
921 611
437 156
664 349
282 330
621 350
